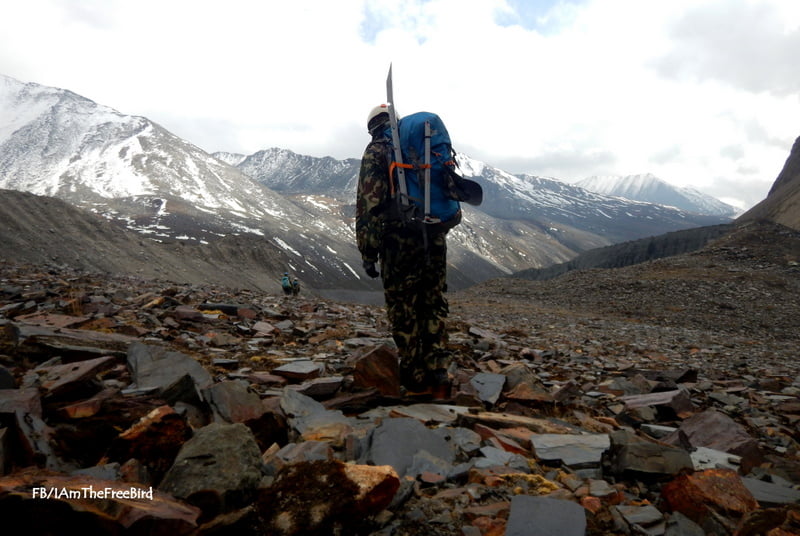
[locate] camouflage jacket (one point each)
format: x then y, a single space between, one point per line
373 198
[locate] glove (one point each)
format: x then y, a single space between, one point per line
369 267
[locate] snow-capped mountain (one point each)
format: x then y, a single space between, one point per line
288 172
564 208
548 202
92 152
56 143
650 189
483 245
131 170
63 145
524 220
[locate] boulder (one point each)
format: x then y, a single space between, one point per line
715 499
378 368
158 368
316 497
217 470
632 455
232 402
154 440
715 430
396 442
489 386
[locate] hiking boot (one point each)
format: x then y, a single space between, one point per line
440 382
414 381
423 393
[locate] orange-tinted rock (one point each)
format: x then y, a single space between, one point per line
492 476
88 407
378 368
593 504
490 526
154 440
501 440
492 510
697 495
62 380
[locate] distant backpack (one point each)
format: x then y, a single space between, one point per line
434 189
286 283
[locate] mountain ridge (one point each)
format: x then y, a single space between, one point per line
650 189
134 172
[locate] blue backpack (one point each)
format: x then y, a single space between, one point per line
439 203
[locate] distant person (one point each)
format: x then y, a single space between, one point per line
413 272
286 284
295 287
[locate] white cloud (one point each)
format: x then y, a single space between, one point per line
698 92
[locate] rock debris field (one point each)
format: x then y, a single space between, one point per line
661 398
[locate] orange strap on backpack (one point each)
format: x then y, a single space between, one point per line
392 166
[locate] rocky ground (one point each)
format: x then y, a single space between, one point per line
662 398
737 298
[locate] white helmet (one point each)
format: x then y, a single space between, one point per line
378 110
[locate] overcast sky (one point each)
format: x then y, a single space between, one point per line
700 93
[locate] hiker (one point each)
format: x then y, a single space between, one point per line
295 287
286 284
412 267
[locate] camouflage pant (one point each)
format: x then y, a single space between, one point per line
414 282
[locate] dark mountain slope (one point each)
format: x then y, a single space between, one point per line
633 252
782 204
45 230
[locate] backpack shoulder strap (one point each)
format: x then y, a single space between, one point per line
427 172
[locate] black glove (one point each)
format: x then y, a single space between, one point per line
369 267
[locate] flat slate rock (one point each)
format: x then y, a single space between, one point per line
299 370
507 420
489 386
574 450
494 457
58 379
430 413
157 367
397 441
640 515
680 525
676 399
232 401
544 516
306 414
769 494
706 458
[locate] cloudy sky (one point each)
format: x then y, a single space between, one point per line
700 93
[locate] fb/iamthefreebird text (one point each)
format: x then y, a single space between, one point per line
91 492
